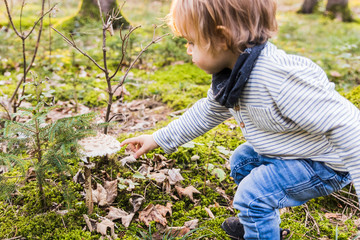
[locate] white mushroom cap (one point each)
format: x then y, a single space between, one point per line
99 145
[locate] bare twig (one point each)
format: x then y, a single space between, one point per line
207 162
155 40
308 214
347 201
23 37
5 108
73 44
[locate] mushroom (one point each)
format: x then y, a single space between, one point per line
95 146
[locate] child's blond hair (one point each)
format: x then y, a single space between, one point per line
242 23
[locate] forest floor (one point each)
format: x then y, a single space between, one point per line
183 195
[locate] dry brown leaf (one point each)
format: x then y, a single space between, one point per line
136 201
223 194
79 177
192 224
111 190
158 177
209 212
128 159
164 210
336 216
155 213
105 195
120 91
127 219
104 225
177 231
188 192
335 74
91 223
116 213
145 169
99 195
174 176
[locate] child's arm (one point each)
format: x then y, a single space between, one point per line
206 114
200 118
312 103
140 145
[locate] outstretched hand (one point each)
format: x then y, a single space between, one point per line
140 145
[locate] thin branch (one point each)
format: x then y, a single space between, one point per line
125 41
10 19
154 40
43 15
101 14
5 108
73 44
21 13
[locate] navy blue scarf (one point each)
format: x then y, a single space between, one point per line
228 84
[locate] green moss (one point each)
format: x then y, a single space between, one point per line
354 96
187 81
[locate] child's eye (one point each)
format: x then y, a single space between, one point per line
189 43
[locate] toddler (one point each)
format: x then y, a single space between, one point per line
303 138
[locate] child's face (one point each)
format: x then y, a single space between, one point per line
211 62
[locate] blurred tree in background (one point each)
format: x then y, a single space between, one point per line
336 8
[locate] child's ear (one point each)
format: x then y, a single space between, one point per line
225 36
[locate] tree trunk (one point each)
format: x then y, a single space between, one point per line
339 9
308 6
89 11
90 8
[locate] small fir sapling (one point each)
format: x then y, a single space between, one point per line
95 146
47 147
107 26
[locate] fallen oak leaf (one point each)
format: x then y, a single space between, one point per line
111 191
105 195
174 176
192 224
117 213
104 225
158 177
188 192
155 213
99 195
128 159
91 223
163 210
136 201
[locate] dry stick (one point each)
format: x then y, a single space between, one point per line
207 162
345 200
306 207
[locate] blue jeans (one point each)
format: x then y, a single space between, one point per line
267 184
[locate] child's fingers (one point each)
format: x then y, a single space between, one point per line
130 141
140 152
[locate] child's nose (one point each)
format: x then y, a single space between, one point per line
189 49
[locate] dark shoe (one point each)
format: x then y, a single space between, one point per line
235 229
